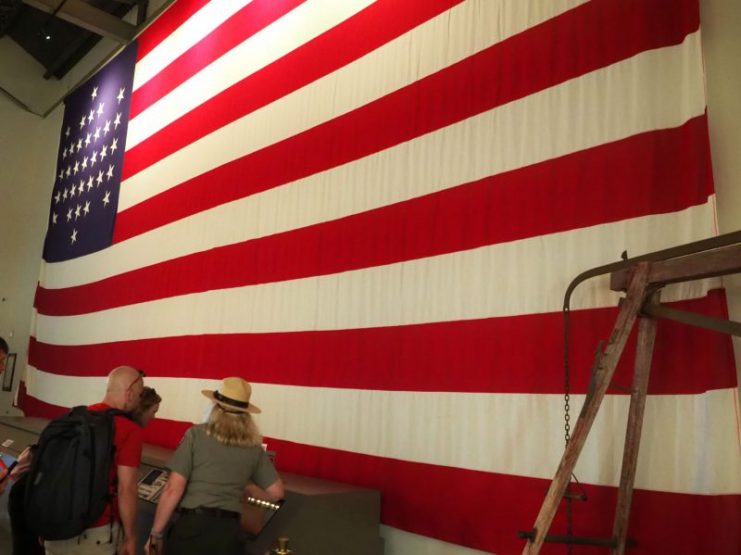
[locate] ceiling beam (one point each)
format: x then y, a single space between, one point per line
88 17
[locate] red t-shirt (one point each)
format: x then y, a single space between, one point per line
128 443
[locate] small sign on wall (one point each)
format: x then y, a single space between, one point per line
9 373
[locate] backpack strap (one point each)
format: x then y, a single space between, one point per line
114 412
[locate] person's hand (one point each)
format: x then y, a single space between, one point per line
24 463
127 547
153 546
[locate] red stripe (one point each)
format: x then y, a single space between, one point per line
242 25
584 39
553 196
452 504
175 15
502 355
369 29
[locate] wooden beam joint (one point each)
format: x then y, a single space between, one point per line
717 262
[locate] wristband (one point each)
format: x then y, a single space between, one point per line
156 535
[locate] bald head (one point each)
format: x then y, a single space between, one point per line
125 384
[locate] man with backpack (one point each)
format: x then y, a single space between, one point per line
117 455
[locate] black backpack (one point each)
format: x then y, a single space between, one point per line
69 482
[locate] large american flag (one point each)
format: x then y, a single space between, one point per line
371 210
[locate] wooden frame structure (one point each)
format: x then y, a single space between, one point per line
642 279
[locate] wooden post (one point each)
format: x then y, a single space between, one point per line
626 318
639 388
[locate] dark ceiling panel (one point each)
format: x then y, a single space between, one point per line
56 44
8 12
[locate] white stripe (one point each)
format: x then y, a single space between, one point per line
190 33
301 25
446 428
428 164
420 52
520 277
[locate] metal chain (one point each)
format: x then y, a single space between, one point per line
566 377
566 409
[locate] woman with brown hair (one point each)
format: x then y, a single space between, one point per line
149 404
210 472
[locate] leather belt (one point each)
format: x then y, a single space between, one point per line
210 511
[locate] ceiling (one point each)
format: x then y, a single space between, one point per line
48 47
53 42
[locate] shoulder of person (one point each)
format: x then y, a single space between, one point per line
128 429
190 434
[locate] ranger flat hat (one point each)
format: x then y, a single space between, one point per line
233 395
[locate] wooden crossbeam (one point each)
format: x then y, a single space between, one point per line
717 262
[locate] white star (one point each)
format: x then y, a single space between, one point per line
66 133
94 158
107 127
90 116
109 173
53 218
120 96
95 92
64 194
87 140
68 171
86 209
77 211
81 188
61 174
79 145
64 153
84 163
57 197
69 214
97 133
90 183
117 121
72 191
100 109
82 122
103 152
74 235
99 179
77 167
106 198
114 145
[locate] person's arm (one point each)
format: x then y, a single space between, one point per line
3 474
127 503
266 483
168 501
24 463
274 492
